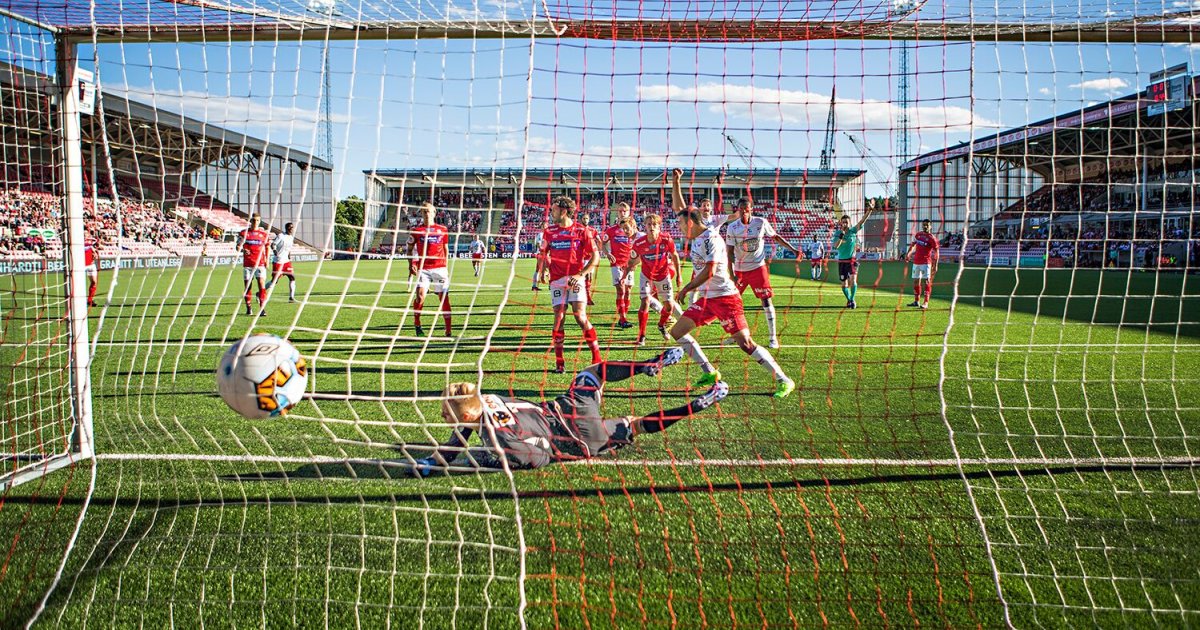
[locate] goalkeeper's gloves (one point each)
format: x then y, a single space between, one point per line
424 466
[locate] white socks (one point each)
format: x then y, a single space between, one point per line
764 358
692 348
655 305
769 310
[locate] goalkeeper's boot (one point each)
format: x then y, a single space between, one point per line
709 378
784 386
668 358
714 395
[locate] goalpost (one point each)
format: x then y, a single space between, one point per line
1019 453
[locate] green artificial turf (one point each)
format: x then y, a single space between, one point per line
748 515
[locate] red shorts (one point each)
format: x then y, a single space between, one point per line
282 268
476 256
727 309
758 279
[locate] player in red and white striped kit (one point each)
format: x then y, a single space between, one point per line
923 252
568 254
254 242
617 244
427 245
91 267
655 252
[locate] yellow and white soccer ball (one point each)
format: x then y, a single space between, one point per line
262 376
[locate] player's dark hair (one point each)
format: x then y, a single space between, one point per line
689 214
744 202
564 202
287 227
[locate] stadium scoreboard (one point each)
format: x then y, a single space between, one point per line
1169 90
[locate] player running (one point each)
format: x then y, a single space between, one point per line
845 243
427 245
718 299
747 241
91 267
923 252
527 435
616 244
477 248
816 259
655 252
567 255
281 249
253 242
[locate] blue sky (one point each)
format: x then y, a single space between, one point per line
596 104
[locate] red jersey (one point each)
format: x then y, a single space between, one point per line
431 242
656 256
620 244
89 252
925 247
567 249
254 247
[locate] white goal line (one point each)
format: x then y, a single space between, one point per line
726 463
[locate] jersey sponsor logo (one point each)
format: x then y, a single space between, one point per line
562 245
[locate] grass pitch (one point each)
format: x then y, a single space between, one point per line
1070 396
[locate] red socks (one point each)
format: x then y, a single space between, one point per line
589 336
417 305
643 317
558 337
446 311
92 293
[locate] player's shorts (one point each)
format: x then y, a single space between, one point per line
665 288
847 268
758 279
91 270
436 280
921 272
250 273
617 272
476 256
726 309
561 294
282 268
816 262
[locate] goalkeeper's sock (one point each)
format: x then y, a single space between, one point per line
846 292
656 422
853 291
643 317
692 348
589 336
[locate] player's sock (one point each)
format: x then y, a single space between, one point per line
558 338
916 289
846 292
928 290
92 293
446 311
769 312
291 288
262 297
643 317
654 304
853 291
693 350
664 317
589 336
247 296
417 305
764 358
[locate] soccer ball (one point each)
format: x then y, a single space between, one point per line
262 376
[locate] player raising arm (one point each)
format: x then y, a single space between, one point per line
568 254
717 299
845 243
253 242
616 243
708 216
281 249
747 241
923 252
427 244
525 434
655 252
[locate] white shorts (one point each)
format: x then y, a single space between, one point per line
920 272
617 272
664 288
250 273
561 294
91 270
436 280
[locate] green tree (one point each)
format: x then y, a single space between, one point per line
349 218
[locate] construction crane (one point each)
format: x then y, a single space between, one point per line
830 124
872 162
747 156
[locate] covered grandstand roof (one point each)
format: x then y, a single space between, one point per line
1058 147
616 178
170 141
182 20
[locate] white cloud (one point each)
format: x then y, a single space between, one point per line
256 116
541 151
1045 91
799 107
1111 84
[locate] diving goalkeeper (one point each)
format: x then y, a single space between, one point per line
532 435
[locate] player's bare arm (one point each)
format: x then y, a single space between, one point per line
677 202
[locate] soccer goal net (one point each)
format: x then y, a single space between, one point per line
958 387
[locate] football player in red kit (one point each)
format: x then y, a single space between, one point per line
427 264
617 244
254 242
568 254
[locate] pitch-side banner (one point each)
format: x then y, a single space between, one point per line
39 265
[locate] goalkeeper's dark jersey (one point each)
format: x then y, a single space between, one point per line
532 435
